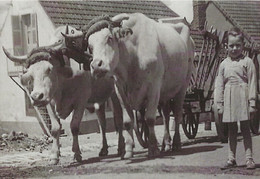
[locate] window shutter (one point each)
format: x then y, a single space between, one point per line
29 24
35 29
17 36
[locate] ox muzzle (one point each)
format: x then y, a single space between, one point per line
38 99
98 68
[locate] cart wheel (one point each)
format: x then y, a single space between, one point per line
190 124
222 129
254 123
141 129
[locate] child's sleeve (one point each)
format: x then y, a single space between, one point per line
219 87
252 83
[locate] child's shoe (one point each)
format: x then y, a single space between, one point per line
250 164
229 164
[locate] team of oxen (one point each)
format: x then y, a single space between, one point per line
140 63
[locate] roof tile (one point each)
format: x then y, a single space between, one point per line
79 13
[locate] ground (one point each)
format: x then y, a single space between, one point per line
201 157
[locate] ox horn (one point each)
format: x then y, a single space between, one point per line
67 29
57 46
119 18
17 59
97 26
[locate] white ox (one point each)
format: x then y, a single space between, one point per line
64 91
151 62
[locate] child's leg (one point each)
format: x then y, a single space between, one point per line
245 130
232 140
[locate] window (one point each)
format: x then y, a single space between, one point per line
25 38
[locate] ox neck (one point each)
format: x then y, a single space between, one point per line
125 61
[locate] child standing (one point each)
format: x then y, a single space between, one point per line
235 94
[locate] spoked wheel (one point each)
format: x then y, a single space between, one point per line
141 129
222 128
254 122
190 124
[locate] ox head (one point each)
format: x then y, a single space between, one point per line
45 71
74 47
101 39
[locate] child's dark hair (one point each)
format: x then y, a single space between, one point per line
235 31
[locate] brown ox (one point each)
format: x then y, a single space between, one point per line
151 62
63 91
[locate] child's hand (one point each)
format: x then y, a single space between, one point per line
220 111
252 109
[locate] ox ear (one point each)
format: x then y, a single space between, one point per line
65 72
122 32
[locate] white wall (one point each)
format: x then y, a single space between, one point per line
12 98
12 104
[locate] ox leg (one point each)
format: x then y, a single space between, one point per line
74 126
55 132
177 108
118 120
102 123
150 116
128 121
166 144
128 134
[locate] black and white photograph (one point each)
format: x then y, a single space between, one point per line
130 89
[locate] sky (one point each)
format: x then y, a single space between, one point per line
181 7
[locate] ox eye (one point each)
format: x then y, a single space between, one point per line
29 83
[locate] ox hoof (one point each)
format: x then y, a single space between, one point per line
103 152
153 152
128 155
78 157
167 148
176 148
176 142
54 161
120 152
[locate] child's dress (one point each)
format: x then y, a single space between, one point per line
235 88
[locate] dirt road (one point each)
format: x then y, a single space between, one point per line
199 158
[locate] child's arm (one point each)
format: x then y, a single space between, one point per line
219 89
251 73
